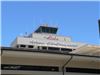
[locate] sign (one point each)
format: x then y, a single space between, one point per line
53 43
50 37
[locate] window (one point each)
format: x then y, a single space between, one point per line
44 48
38 47
83 70
66 49
22 46
53 48
43 30
30 46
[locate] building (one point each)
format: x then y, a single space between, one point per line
43 52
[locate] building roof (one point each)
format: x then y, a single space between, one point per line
88 50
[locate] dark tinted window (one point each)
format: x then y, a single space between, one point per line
66 49
30 46
83 70
53 30
44 48
38 47
45 29
53 48
22 46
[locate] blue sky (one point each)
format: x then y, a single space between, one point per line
76 19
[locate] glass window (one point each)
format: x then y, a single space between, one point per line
38 47
44 48
30 46
53 48
23 46
66 49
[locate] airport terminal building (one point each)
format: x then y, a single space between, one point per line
43 52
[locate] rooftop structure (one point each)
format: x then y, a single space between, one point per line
46 29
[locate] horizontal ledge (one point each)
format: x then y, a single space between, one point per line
44 51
